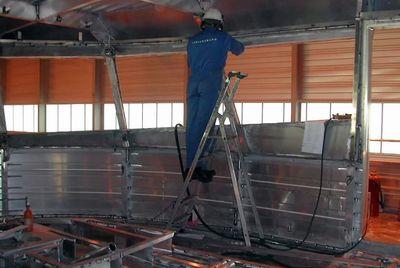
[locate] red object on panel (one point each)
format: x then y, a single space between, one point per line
375 190
28 218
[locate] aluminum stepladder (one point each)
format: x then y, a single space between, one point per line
226 98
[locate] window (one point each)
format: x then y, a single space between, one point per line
324 111
315 111
69 117
276 112
256 113
252 113
149 115
145 115
110 119
21 117
384 133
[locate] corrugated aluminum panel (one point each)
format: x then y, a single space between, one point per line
269 69
328 70
159 78
285 186
71 81
285 181
386 65
65 181
285 190
22 81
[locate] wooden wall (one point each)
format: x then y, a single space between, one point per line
71 81
143 79
389 173
22 81
326 75
386 66
328 70
269 70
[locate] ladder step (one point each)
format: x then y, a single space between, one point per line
220 137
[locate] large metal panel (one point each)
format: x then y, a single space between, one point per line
285 183
285 189
287 139
65 181
285 180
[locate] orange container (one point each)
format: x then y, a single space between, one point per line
28 218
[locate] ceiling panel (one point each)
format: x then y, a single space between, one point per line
132 19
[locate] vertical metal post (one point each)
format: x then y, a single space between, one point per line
296 82
44 75
3 125
359 126
114 79
98 105
3 130
4 184
127 183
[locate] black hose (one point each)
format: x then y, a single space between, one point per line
321 176
178 146
286 245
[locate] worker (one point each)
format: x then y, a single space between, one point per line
207 53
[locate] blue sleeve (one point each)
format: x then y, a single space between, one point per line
187 53
235 47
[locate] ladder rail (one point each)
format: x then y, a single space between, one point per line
235 185
226 98
199 151
242 169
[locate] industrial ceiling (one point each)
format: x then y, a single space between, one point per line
133 20
138 19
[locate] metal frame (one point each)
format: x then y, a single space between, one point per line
114 79
366 23
300 33
143 240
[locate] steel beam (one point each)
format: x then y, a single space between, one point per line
3 125
30 48
193 6
44 74
116 90
366 23
98 106
359 128
56 7
297 82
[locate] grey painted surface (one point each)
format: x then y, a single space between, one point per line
285 181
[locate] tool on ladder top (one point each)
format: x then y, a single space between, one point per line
226 98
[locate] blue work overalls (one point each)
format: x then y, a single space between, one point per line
207 54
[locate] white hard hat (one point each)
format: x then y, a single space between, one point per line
213 14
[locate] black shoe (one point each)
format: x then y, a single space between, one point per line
206 176
196 174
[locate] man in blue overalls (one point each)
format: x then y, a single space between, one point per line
207 53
